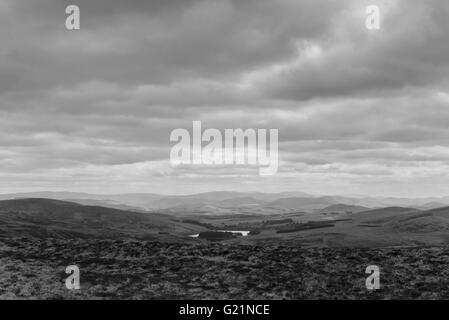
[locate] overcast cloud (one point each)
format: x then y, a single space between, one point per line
358 111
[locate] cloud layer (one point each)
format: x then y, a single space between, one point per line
358 111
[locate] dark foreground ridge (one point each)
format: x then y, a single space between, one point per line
131 269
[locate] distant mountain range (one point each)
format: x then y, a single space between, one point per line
231 202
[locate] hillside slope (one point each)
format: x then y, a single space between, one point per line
62 219
341 208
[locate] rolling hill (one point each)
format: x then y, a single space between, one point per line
384 214
435 220
229 202
63 219
341 208
302 203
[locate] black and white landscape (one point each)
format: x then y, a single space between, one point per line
353 96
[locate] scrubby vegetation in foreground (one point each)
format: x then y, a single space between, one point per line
130 269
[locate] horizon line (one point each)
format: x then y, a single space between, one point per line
224 191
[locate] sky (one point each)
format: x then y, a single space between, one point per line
358 111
